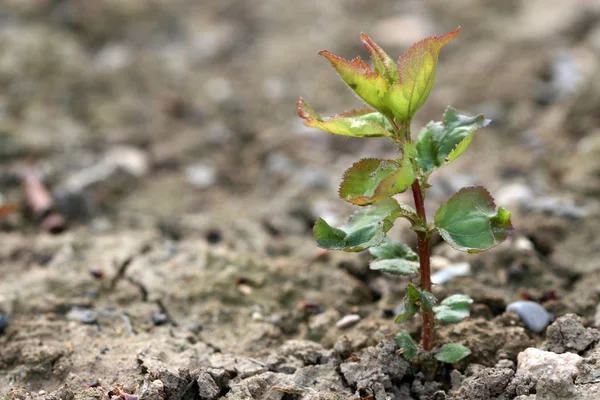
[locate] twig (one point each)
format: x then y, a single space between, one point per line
140 286
164 310
124 317
121 272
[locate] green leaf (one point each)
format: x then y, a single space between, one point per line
395 266
368 85
392 249
428 300
416 68
440 143
406 345
383 64
355 123
372 179
394 258
452 353
366 228
413 299
453 309
469 221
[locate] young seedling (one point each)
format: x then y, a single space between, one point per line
469 221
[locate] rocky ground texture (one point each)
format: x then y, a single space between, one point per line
166 132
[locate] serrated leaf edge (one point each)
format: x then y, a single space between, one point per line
449 240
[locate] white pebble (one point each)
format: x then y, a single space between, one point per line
347 321
201 176
450 272
534 316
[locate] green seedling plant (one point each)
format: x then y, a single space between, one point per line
469 221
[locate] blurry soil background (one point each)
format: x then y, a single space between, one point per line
167 135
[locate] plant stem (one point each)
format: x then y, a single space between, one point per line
424 249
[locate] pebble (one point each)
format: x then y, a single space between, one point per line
219 89
3 322
450 272
313 178
347 321
563 208
534 316
523 244
201 176
131 160
83 315
538 362
159 318
515 193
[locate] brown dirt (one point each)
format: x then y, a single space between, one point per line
223 292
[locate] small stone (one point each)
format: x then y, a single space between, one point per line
4 319
506 364
83 315
130 159
487 383
159 318
201 176
219 89
554 374
537 362
450 272
567 334
347 321
564 208
207 387
514 194
343 347
257 316
523 244
153 390
534 316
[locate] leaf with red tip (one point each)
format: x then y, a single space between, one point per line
416 68
469 220
305 111
383 64
368 85
372 179
356 123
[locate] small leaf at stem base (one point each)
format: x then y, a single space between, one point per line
406 345
452 353
413 300
453 309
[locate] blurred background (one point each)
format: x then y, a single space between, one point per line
139 112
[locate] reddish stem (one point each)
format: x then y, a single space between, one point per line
424 249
